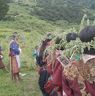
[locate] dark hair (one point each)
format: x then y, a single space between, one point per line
87 34
44 44
90 52
13 37
71 36
15 33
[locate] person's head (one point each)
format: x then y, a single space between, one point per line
87 34
15 33
13 37
71 36
46 42
49 34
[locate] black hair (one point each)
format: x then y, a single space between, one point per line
87 34
90 52
13 37
71 36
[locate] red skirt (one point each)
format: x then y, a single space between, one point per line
14 65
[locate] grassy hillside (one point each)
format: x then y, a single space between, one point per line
27 87
31 30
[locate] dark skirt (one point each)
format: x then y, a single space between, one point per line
43 78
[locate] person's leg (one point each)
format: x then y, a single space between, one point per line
14 77
42 81
18 76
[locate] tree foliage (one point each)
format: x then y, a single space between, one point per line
3 8
70 10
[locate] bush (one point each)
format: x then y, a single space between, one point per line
3 8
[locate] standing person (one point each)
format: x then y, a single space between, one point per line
44 75
14 58
35 53
2 66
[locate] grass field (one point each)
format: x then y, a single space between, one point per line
31 30
27 87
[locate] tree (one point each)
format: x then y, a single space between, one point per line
59 10
69 10
3 8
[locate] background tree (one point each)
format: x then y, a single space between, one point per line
3 8
69 10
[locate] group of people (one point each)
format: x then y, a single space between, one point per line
59 75
63 76
14 53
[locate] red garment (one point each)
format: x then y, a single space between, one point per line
66 87
57 75
90 88
14 65
49 86
56 81
49 69
71 87
75 87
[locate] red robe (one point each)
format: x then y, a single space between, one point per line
71 87
90 88
57 75
56 80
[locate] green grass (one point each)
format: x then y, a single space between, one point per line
31 30
27 87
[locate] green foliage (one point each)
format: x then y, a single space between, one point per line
69 14
3 8
31 30
27 87
77 47
54 10
53 13
92 4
